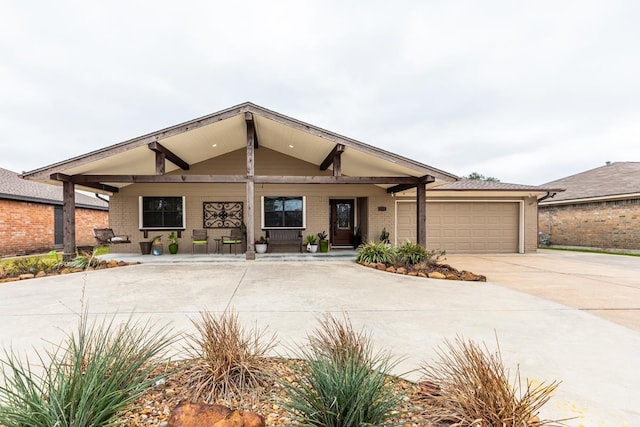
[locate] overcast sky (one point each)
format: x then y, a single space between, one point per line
525 91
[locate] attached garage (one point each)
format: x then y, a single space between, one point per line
464 226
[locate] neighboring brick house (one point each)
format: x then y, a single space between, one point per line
31 216
599 209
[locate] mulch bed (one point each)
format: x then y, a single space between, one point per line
432 271
155 407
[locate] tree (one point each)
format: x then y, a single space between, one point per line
479 177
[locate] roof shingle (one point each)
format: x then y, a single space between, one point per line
610 180
15 188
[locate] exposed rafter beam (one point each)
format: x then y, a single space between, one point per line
402 187
248 118
332 157
168 154
97 185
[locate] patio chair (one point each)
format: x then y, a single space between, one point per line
199 238
235 239
106 236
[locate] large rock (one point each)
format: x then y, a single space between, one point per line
470 277
436 275
26 276
203 415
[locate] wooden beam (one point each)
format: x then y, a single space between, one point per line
331 157
403 187
261 179
421 213
97 185
169 155
250 254
68 220
160 158
248 118
273 179
131 179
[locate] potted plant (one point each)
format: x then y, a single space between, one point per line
156 245
324 243
261 245
312 243
173 243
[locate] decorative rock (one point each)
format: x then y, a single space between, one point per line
381 266
470 277
203 415
121 263
113 263
451 276
412 273
436 275
65 271
9 279
401 270
421 274
26 276
391 269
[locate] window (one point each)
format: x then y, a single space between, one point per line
162 212
283 212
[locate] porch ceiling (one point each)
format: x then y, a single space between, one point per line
224 132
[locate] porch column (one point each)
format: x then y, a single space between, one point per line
250 187
68 220
421 210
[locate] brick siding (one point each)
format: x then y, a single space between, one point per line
27 227
607 225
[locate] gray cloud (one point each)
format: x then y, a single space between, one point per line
524 91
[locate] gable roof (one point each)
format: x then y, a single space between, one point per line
477 184
225 131
12 187
617 180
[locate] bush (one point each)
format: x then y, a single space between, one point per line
228 359
86 381
342 382
469 386
410 253
375 253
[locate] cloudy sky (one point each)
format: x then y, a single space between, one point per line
525 91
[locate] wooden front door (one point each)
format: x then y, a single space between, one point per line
342 227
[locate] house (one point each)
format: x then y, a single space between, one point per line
31 216
253 166
599 209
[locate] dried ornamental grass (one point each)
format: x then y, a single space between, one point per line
469 386
228 359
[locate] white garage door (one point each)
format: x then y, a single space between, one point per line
464 227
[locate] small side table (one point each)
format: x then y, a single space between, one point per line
218 243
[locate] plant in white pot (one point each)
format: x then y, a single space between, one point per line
312 243
261 245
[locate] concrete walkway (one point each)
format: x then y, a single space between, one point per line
595 359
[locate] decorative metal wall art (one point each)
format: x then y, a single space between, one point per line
222 214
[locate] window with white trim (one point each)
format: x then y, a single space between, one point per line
162 212
283 212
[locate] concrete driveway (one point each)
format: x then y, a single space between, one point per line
605 285
595 359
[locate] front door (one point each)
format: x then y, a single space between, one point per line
342 223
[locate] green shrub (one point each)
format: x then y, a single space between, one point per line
342 382
375 253
228 358
410 253
469 386
86 380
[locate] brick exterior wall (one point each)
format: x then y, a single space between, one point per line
607 225
27 227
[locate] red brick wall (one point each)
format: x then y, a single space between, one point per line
28 227
607 225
